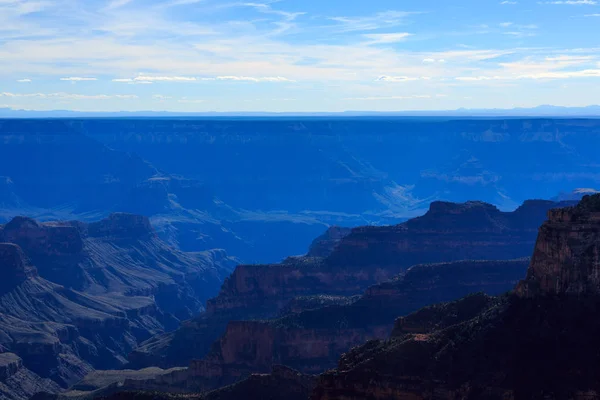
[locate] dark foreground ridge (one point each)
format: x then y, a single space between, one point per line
532 344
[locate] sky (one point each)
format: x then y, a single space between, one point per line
298 55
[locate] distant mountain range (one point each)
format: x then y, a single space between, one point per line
541 111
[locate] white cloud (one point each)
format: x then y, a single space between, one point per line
252 79
161 97
587 73
132 81
386 78
24 80
592 15
78 79
146 78
386 19
509 2
505 24
381 38
433 60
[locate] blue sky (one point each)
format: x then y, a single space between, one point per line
292 55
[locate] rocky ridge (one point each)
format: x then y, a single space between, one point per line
312 341
364 257
496 348
76 296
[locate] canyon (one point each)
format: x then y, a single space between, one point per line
119 264
76 296
499 348
196 179
531 343
447 232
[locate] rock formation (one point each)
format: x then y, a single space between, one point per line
76 296
365 257
312 341
567 253
324 245
532 344
17 382
119 254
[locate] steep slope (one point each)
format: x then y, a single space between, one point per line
114 284
19 383
365 257
120 254
312 341
533 344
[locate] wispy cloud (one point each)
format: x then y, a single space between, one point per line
386 19
253 79
386 78
275 50
78 79
433 60
188 79
386 38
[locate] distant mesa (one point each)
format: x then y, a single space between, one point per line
121 225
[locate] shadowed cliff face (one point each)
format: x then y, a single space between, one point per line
368 255
119 254
447 232
15 267
567 253
102 288
365 257
325 244
532 344
312 341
